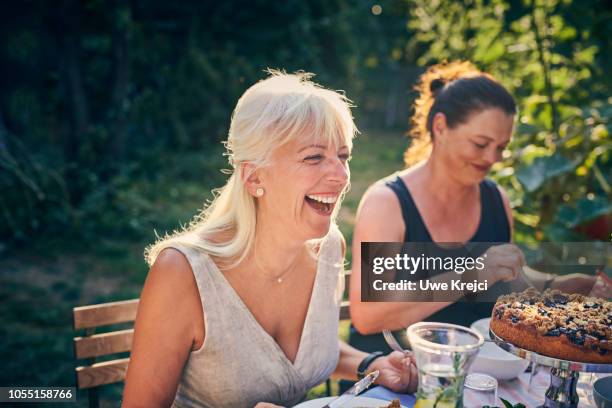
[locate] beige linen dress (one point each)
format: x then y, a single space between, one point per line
240 364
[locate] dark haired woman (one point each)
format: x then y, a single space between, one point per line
462 123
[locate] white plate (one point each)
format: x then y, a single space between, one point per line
494 361
357 402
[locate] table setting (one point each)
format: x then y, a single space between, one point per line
515 379
473 367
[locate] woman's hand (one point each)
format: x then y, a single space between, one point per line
575 283
266 405
602 288
398 372
502 263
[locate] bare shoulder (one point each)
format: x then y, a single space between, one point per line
171 287
172 258
505 198
172 270
380 215
379 196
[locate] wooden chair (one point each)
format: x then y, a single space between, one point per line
91 346
345 312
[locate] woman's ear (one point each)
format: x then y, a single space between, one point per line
250 177
439 126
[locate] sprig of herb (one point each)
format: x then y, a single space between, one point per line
452 391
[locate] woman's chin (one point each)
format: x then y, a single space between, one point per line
478 179
474 177
320 230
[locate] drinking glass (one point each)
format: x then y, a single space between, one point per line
443 354
480 391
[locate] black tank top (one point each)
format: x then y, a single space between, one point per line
493 227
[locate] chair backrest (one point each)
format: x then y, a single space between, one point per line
91 346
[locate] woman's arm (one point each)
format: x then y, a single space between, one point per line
349 360
379 219
169 325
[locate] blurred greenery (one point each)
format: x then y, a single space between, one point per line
95 94
554 57
112 114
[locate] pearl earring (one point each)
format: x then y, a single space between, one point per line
259 192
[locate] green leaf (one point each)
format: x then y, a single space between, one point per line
491 53
591 209
448 394
557 232
506 403
568 33
567 215
543 169
585 210
586 56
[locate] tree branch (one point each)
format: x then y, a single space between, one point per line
545 68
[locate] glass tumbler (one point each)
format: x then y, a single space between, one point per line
443 354
480 391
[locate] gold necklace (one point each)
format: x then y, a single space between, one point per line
280 278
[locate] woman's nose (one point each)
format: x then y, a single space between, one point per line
339 172
492 156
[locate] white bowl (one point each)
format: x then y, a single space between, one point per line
494 361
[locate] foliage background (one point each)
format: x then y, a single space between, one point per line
112 113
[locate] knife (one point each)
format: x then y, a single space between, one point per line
523 274
355 390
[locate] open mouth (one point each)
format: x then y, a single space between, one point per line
323 205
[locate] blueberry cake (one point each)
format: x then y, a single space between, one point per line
570 327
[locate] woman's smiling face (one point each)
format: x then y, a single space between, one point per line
303 185
471 148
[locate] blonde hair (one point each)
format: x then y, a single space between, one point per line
274 111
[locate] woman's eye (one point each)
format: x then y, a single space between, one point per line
480 146
345 157
313 158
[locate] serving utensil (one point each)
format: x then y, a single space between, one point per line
392 342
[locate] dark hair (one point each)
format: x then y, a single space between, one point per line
457 90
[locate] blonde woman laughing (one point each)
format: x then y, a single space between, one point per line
241 309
